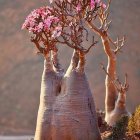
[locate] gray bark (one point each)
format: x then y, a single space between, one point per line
115 105
70 114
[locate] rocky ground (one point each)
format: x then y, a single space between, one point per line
107 131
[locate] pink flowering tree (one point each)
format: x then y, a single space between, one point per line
47 24
66 103
62 94
44 27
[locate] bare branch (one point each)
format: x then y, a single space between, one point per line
119 44
94 28
108 6
35 40
112 80
126 85
118 85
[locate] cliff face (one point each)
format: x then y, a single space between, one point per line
20 68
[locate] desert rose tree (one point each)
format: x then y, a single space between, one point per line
66 110
90 12
115 99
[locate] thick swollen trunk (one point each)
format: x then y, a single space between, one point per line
71 114
114 102
50 88
74 116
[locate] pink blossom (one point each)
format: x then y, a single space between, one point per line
36 29
103 5
42 20
39 28
78 8
56 19
47 23
41 25
23 26
31 29
57 32
32 23
35 14
50 18
92 4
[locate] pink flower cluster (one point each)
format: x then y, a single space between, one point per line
42 20
93 3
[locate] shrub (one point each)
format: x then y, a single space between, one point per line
119 130
134 122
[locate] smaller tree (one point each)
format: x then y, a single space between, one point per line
134 122
115 91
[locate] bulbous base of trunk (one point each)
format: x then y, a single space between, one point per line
113 116
49 86
73 115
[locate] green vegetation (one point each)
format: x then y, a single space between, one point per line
119 130
134 121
